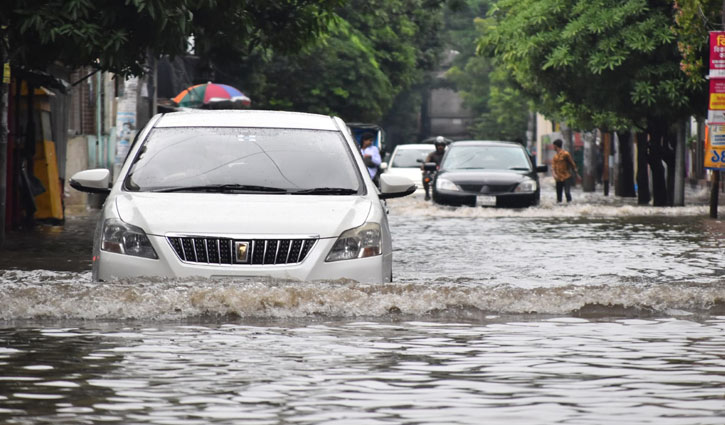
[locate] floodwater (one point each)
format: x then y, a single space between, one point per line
589 313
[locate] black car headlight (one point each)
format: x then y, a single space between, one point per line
526 186
360 242
124 238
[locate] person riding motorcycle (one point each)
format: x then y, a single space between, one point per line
435 156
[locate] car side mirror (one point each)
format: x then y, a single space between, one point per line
542 168
430 166
392 186
96 180
383 166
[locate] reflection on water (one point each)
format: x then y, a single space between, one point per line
499 370
594 312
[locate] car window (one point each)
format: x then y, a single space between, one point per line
486 157
290 159
410 158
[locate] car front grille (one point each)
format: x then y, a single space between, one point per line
489 189
212 250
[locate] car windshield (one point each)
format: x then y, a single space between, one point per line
264 160
486 157
410 158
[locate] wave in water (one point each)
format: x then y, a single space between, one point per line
51 295
548 208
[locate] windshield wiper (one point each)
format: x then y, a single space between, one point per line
325 191
520 168
224 188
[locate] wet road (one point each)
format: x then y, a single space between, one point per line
594 312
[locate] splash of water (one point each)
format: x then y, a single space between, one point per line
49 295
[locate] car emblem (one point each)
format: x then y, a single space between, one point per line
241 251
484 189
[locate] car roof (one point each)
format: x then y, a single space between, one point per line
485 143
416 146
247 118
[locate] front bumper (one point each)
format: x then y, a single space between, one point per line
377 269
503 200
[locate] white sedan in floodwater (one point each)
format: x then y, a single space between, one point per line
407 160
243 193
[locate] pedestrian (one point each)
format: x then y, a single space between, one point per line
371 156
563 169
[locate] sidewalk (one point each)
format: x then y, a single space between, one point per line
695 194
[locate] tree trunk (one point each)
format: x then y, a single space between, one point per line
625 171
606 143
566 133
3 144
643 193
679 188
590 162
669 142
656 164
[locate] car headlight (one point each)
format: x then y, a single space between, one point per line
360 242
528 185
124 238
445 184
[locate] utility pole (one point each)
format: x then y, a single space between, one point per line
714 190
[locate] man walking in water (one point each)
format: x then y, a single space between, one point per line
561 167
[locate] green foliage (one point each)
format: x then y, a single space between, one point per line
373 52
594 63
117 35
500 111
693 20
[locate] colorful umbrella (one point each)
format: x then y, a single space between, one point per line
202 95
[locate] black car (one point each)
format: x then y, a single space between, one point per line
487 173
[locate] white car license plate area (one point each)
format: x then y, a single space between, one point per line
485 201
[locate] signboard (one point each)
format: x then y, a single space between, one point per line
717 94
715 116
715 130
717 54
715 147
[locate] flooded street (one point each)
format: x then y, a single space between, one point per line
594 312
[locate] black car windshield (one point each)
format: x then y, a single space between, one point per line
244 160
410 158
486 157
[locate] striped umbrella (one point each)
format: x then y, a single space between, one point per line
206 94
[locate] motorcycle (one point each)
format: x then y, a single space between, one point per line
429 172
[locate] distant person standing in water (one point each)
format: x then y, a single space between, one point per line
371 156
563 168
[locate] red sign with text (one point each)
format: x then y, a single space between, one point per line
717 54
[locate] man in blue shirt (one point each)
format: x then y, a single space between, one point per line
371 156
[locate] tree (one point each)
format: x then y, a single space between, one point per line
610 64
372 56
500 110
117 36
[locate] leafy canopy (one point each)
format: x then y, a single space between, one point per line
117 35
373 51
594 63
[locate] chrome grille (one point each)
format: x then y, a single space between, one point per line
213 250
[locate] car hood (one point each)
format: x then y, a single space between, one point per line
230 214
498 177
